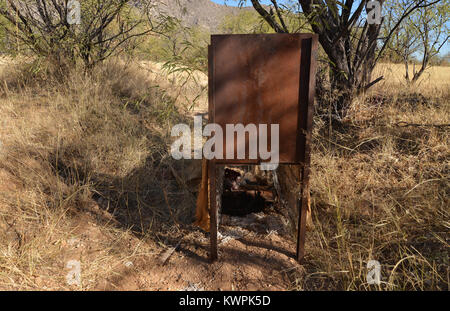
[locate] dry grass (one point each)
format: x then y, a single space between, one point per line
434 78
380 192
73 147
94 147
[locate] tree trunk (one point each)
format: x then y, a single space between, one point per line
406 70
343 96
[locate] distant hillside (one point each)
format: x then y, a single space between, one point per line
198 12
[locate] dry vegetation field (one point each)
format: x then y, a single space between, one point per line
85 175
434 78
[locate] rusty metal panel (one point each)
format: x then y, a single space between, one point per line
263 79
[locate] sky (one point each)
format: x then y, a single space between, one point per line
445 49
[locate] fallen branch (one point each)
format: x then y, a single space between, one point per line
368 86
406 124
166 255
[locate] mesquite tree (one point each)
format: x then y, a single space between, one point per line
423 32
49 27
350 40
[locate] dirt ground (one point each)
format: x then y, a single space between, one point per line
253 255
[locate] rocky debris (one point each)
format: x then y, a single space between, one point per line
263 223
228 235
232 180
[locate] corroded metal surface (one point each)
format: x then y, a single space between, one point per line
264 79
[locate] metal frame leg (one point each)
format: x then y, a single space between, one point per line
302 213
212 210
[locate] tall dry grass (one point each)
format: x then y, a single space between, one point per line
73 142
434 78
380 189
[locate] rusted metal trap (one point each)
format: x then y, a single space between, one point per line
264 79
